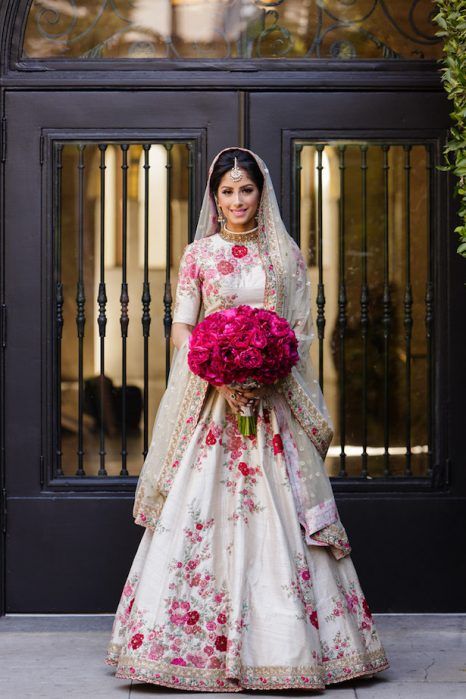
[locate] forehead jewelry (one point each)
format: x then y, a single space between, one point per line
235 172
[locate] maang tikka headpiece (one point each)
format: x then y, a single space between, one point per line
235 172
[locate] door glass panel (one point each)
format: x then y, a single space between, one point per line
222 29
122 216
364 213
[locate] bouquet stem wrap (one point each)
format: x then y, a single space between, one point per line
247 423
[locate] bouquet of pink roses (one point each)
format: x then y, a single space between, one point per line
243 346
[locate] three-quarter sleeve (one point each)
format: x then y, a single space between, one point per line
188 290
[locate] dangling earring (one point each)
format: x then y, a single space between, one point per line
220 216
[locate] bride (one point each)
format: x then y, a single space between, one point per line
243 577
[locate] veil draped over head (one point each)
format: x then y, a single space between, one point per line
298 398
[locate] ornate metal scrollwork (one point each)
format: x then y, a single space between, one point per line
343 29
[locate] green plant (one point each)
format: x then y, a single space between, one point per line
451 18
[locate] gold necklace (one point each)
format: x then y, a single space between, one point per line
242 237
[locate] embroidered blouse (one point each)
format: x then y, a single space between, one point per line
220 274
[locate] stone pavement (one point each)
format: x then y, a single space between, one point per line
63 656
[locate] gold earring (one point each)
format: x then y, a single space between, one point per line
220 217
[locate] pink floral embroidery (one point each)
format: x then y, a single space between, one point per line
301 588
243 467
221 643
239 250
225 267
210 439
178 661
193 618
197 632
136 640
245 488
366 609
352 602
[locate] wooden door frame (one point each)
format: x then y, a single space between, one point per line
219 76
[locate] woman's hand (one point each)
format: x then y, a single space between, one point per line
237 398
180 332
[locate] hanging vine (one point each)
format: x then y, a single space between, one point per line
451 18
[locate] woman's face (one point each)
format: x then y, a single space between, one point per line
238 201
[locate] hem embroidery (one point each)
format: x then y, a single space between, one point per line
249 677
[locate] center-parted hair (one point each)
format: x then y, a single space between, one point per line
226 161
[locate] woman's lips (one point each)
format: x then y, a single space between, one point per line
239 212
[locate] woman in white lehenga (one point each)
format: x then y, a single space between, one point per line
243 578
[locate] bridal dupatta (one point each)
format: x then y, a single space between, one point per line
287 291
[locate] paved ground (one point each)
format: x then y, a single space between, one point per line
59 657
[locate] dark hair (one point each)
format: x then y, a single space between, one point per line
227 160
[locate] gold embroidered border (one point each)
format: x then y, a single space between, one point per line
335 536
148 515
248 677
191 406
270 255
315 426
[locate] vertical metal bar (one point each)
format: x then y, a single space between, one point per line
243 119
58 301
408 303
167 296
342 300
191 191
320 322
146 299
386 316
102 317
364 304
429 301
124 301
80 305
296 192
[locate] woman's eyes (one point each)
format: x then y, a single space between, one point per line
227 192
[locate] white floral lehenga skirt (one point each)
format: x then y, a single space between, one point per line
225 594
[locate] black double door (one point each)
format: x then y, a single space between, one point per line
70 540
